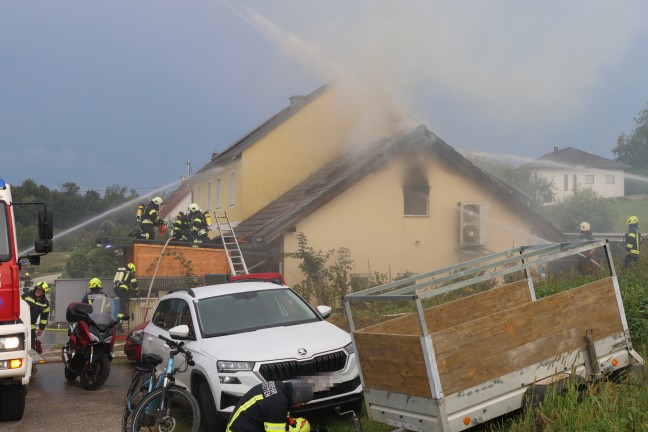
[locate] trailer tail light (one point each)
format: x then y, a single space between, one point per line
615 362
15 364
466 421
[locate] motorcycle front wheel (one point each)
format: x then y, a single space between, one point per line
94 375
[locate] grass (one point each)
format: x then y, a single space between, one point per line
626 207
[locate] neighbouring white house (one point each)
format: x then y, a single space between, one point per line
571 169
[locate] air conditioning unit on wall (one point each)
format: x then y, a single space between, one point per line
473 224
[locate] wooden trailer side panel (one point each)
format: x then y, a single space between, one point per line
482 350
458 311
393 363
201 260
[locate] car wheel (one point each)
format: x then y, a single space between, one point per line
210 420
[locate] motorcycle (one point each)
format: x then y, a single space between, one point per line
88 352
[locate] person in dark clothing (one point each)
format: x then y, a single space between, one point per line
181 227
197 223
95 291
150 219
266 406
125 287
27 283
632 241
39 309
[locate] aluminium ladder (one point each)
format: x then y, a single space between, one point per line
231 245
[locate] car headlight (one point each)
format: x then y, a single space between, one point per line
349 348
11 343
234 366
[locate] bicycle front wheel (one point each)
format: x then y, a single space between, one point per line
167 410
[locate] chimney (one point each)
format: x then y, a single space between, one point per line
555 149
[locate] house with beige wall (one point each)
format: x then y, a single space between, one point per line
570 169
397 197
408 203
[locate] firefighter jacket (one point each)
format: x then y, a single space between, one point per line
264 408
633 240
38 307
197 222
93 294
129 283
181 227
151 215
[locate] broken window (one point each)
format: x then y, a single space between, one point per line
416 193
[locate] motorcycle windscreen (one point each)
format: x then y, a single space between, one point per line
102 311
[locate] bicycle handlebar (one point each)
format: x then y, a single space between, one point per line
178 347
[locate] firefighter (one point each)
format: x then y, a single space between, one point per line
150 219
27 283
180 227
585 231
197 223
266 406
632 241
125 287
95 291
39 309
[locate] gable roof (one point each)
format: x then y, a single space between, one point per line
234 151
572 157
343 172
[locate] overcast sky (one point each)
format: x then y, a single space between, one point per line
126 91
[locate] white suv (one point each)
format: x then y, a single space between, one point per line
244 333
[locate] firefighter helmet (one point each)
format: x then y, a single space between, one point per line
584 226
299 424
27 274
633 220
157 200
43 286
194 207
94 283
131 267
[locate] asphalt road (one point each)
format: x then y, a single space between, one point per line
54 404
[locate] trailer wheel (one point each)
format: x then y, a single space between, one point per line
12 402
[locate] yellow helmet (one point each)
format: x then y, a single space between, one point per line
194 207
131 267
94 283
633 220
584 226
299 424
27 274
157 200
43 286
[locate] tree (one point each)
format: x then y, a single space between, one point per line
584 205
633 150
540 190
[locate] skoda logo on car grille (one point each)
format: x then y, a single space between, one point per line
301 351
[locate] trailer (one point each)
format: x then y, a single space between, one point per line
453 348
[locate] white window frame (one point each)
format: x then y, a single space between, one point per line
609 179
232 189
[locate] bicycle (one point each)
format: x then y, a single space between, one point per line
157 403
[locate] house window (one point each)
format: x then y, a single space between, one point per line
565 182
416 193
574 185
218 193
232 190
197 197
609 179
589 179
209 193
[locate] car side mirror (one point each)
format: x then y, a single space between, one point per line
324 311
180 332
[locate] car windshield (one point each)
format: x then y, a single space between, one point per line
252 310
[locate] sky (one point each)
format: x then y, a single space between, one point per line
138 93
